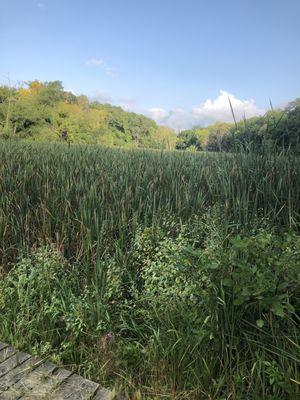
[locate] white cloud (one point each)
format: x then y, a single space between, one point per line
98 62
177 118
158 113
94 62
219 109
208 112
71 91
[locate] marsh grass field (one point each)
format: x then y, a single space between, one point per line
161 274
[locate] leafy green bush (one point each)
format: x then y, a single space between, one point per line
264 272
41 299
217 306
194 311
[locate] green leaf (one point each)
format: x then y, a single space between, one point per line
289 307
213 265
278 310
260 323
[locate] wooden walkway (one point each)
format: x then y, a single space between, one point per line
29 378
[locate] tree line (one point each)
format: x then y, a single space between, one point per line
44 111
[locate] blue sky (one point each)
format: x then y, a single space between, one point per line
176 60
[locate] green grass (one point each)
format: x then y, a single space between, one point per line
162 274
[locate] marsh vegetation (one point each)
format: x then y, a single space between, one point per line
161 274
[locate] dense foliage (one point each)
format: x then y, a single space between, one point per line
45 112
277 129
170 275
202 138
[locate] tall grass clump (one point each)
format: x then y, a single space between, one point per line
163 274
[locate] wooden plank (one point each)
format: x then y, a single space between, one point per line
6 353
75 388
18 373
102 394
23 377
3 345
49 384
13 362
29 381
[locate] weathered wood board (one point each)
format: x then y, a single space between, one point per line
23 377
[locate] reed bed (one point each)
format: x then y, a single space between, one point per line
82 197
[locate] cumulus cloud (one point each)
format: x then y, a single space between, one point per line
158 114
208 112
219 109
176 118
98 62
